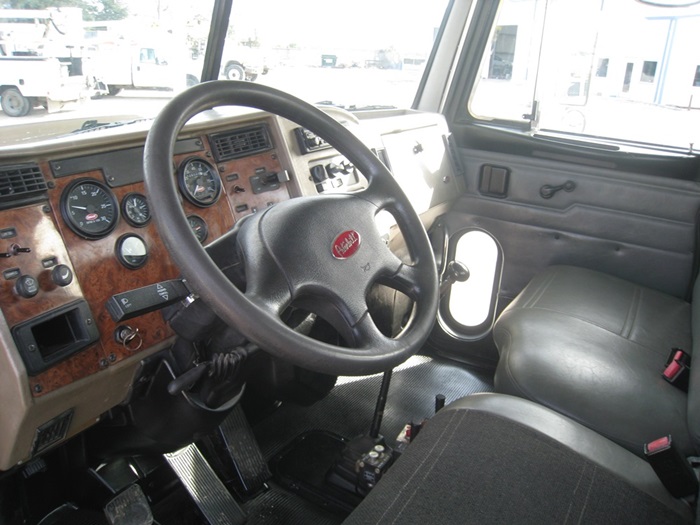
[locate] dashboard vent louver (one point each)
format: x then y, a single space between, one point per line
240 143
20 183
52 432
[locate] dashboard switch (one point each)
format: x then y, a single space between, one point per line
318 173
27 286
11 273
16 248
333 169
62 275
275 177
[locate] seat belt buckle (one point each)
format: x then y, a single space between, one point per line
677 368
671 467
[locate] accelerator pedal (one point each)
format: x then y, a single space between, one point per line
129 507
207 490
250 465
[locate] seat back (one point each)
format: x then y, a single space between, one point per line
694 382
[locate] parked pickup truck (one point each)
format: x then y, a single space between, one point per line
27 82
127 66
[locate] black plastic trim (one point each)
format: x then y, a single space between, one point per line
80 323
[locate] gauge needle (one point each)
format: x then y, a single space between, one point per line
79 207
198 188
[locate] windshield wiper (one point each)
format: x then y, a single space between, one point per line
92 125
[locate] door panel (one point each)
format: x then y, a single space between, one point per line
638 227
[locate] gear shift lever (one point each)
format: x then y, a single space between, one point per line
455 271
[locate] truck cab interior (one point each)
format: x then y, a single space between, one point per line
252 302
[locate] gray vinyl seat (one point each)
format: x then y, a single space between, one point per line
593 347
494 458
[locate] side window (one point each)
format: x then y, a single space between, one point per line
503 52
505 86
148 55
648 71
598 69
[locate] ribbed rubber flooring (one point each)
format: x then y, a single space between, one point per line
279 507
348 409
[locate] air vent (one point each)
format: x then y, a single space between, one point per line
20 183
52 431
240 143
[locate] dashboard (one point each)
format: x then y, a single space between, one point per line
84 273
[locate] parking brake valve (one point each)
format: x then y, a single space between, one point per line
455 272
439 402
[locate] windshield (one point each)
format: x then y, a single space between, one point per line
122 60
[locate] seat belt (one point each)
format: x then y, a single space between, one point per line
673 470
677 368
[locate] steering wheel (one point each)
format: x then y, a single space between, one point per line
324 252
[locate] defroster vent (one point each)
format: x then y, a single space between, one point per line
20 184
241 142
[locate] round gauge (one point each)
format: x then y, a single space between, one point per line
135 209
131 251
199 182
199 227
89 208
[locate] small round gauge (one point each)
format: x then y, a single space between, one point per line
135 209
199 227
199 182
131 251
89 208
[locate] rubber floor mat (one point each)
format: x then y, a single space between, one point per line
279 507
349 408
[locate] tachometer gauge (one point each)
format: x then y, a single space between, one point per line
135 210
199 227
199 182
89 208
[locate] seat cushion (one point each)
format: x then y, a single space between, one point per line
593 348
491 458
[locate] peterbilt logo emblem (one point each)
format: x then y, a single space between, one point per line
346 244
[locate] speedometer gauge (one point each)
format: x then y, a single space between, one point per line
199 182
89 208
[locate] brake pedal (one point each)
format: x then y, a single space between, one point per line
207 490
129 507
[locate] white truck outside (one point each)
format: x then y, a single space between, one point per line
242 63
27 82
123 66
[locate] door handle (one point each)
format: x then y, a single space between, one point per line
547 191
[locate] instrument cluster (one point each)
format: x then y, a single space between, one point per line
92 211
94 244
